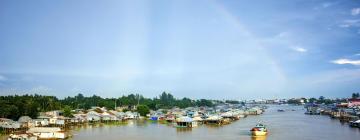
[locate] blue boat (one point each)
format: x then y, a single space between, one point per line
154 118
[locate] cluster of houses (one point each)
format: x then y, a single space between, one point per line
276 101
97 114
347 112
52 124
193 116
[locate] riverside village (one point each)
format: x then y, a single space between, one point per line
55 124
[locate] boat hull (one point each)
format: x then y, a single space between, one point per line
258 133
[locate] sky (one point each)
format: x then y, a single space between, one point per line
232 49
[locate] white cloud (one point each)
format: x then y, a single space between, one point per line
350 23
324 5
355 11
344 25
299 49
346 61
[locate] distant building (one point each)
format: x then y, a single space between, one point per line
54 113
353 102
57 121
8 123
93 116
25 121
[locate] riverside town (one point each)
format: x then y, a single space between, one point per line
32 117
179 69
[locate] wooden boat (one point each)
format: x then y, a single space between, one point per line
259 130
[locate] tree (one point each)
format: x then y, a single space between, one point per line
294 101
14 106
143 110
232 102
355 95
204 102
312 100
67 111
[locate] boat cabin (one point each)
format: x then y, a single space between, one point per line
186 122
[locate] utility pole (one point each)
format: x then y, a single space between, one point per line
138 99
115 105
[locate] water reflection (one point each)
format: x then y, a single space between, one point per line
258 138
182 130
307 127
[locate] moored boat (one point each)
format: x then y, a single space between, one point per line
22 137
355 123
259 130
48 132
185 121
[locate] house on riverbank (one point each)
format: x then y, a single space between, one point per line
48 132
344 111
353 102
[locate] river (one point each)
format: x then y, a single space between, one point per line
291 124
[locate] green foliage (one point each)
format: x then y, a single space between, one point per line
312 100
204 102
164 101
30 105
2 131
232 102
14 106
294 101
67 111
355 95
185 102
164 111
143 110
125 110
323 100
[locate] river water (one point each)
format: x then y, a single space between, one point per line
291 124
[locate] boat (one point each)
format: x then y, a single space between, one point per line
281 110
214 119
170 118
259 130
354 123
48 132
154 118
258 138
312 109
22 137
185 122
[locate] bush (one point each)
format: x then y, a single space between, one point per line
143 110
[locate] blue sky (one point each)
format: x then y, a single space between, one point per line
233 49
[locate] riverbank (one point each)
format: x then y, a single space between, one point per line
282 126
290 124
